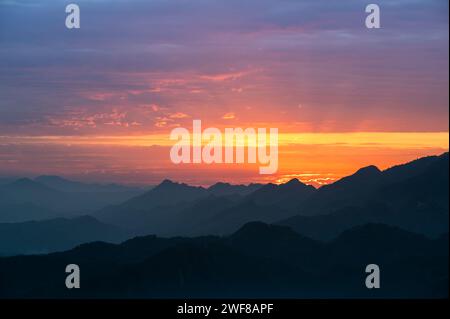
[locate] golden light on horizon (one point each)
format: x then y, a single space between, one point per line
313 158
354 139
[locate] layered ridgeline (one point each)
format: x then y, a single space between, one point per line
46 197
413 196
257 261
59 234
179 209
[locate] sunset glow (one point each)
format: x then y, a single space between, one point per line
99 103
314 158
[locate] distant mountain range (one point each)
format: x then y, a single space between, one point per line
249 241
413 196
257 261
69 186
41 237
179 209
165 209
51 197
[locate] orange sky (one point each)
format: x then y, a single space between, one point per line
98 103
315 158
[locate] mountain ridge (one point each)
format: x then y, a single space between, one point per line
258 260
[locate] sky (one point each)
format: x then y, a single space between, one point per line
98 103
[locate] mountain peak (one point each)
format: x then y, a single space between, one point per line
364 176
166 182
294 181
295 184
225 189
368 171
219 185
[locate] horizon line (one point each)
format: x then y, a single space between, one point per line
293 176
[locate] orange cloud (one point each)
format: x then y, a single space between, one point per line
229 116
178 115
224 76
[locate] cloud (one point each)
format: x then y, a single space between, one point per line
162 121
178 115
206 57
83 119
229 116
224 76
155 107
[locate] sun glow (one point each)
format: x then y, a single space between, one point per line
313 158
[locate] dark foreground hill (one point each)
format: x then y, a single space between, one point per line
259 260
412 196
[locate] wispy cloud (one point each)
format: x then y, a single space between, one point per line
229 116
205 58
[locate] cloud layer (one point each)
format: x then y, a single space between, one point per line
137 66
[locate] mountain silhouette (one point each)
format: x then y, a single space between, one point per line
54 235
25 199
271 241
226 189
230 219
413 196
14 212
288 195
257 261
155 208
350 190
167 193
171 206
29 189
65 185
413 168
